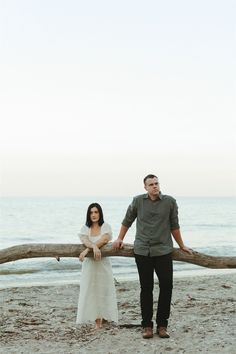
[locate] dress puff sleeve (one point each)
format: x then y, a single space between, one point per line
106 229
83 232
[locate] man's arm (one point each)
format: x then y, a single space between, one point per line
130 216
177 236
118 243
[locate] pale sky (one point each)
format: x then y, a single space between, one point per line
94 95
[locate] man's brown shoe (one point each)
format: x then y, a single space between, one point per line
162 332
147 332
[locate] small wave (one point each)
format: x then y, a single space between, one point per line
215 225
19 271
46 266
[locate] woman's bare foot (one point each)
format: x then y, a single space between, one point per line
98 323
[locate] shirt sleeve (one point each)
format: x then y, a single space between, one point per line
131 214
83 232
174 219
106 229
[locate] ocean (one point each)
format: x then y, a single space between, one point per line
208 225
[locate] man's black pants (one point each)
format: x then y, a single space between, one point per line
163 267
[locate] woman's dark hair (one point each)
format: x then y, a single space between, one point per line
88 218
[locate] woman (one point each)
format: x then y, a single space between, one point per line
97 298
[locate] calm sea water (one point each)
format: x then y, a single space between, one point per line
208 225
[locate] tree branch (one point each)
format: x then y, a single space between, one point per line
57 250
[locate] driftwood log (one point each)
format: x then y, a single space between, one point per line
57 250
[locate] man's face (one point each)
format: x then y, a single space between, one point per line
152 187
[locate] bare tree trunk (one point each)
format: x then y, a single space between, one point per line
57 250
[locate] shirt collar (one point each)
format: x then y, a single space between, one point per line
160 196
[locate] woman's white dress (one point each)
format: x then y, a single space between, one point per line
97 297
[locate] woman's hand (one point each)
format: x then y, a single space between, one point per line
83 254
96 253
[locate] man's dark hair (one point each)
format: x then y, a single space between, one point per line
88 217
148 176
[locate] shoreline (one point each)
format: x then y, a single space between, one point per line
203 272
41 319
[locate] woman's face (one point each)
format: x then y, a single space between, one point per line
94 214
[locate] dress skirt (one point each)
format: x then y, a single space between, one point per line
97 296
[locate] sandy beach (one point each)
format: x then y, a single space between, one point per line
41 319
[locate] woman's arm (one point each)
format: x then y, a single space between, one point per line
83 254
95 246
103 240
86 241
89 244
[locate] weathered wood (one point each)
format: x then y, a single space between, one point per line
57 250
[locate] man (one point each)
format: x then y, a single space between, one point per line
156 220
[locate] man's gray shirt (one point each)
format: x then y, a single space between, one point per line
154 222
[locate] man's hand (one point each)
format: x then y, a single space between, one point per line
117 244
187 250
